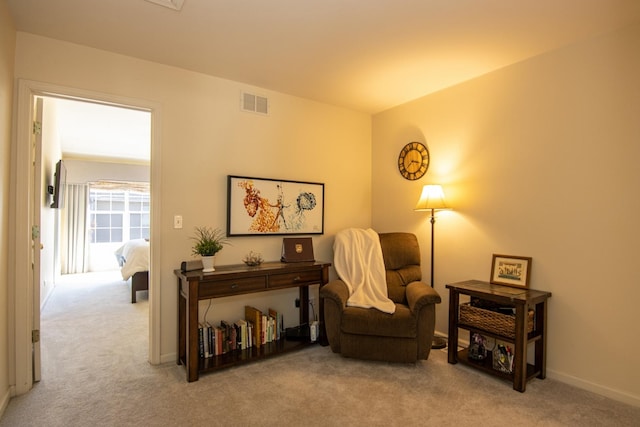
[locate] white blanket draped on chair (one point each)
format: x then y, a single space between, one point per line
359 263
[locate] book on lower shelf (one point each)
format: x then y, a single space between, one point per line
241 328
256 329
278 326
218 339
201 340
253 315
228 338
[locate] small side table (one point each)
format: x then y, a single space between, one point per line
522 300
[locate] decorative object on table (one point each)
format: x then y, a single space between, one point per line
477 347
511 270
413 161
209 241
432 199
258 206
493 321
193 265
503 359
297 249
252 259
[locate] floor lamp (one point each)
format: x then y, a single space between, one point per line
432 199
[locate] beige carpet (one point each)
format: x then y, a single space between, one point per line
95 373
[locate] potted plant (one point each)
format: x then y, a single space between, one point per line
208 242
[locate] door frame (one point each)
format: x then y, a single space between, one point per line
36 238
21 285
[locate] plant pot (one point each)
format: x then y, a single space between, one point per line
207 264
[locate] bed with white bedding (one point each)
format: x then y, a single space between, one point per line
133 258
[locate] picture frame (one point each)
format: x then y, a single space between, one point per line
510 270
266 206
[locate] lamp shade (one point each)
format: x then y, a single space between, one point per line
432 197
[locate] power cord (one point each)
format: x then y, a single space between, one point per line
204 320
313 309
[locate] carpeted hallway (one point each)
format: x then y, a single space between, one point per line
95 373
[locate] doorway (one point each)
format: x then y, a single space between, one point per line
103 202
22 318
105 151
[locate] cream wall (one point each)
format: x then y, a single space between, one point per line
205 137
7 51
538 159
49 218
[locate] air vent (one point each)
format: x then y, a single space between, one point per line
254 103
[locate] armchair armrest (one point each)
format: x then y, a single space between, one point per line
335 295
337 291
420 294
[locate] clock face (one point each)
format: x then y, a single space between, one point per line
413 161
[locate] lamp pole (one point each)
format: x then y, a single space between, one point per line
433 223
437 342
432 198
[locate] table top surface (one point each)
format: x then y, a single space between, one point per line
264 268
479 287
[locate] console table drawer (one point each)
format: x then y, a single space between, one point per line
293 279
232 287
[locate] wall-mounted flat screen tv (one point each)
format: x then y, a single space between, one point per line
59 184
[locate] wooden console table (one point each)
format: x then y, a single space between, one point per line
522 300
240 279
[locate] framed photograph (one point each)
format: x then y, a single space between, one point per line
260 206
511 270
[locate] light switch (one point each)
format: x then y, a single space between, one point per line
177 221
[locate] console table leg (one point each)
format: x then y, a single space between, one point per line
520 362
454 301
193 355
182 312
541 344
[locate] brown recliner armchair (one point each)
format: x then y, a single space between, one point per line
367 333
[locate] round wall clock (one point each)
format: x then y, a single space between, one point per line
413 161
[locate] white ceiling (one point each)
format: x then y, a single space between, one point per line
367 55
88 130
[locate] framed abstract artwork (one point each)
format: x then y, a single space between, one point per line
262 206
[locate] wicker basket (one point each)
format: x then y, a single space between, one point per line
490 321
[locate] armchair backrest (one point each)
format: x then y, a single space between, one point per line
401 254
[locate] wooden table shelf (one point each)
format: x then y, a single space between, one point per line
486 365
237 357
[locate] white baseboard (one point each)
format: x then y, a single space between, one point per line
46 298
166 358
580 383
595 388
5 401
